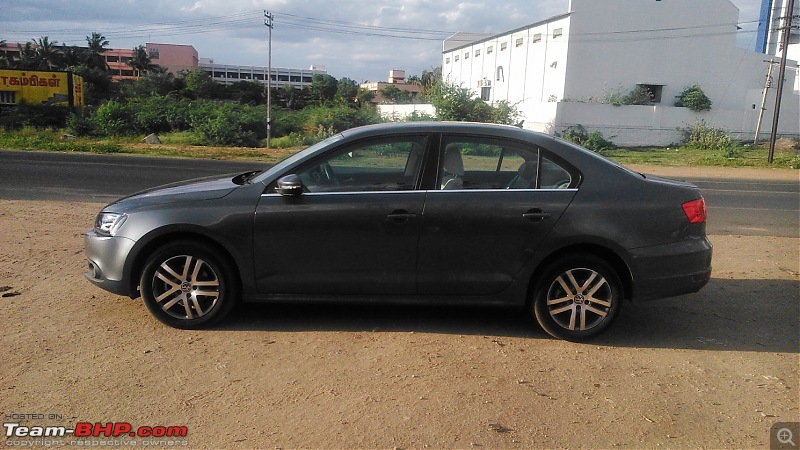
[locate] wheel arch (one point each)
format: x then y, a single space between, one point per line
606 254
154 242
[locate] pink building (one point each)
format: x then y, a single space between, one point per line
176 58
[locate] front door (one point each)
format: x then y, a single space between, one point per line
353 231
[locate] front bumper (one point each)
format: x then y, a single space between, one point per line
669 270
106 257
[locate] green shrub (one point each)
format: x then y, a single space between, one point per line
594 141
82 123
15 117
115 119
640 95
701 136
694 98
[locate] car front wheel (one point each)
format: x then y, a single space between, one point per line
577 297
185 285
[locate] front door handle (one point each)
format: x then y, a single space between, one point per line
536 215
400 216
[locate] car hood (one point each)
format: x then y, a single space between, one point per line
208 188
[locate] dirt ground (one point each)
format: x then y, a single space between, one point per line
711 370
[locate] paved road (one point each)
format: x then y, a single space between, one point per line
736 206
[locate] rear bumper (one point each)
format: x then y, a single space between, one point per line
673 269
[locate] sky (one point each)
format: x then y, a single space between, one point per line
358 39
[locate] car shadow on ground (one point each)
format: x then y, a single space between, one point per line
732 315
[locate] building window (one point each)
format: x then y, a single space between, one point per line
503 46
112 58
477 53
295 78
558 32
466 55
8 98
655 91
537 37
489 50
447 60
456 58
283 77
307 80
500 76
126 73
486 93
518 42
258 76
219 74
153 53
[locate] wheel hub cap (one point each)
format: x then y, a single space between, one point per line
579 299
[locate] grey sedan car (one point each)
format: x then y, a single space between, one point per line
427 212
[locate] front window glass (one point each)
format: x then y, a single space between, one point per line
388 164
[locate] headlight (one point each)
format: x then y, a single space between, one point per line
108 223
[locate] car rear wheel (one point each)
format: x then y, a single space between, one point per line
577 297
185 285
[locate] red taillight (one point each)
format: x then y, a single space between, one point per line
695 210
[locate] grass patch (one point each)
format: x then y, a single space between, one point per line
736 156
183 144
187 145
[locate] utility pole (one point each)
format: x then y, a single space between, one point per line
268 17
787 28
767 85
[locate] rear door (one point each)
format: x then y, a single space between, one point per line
476 237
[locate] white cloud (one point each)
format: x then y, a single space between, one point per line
233 32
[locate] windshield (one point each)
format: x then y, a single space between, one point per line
281 166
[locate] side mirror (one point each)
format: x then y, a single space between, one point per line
290 186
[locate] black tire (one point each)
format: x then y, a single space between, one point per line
577 297
187 285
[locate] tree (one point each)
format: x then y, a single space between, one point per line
72 56
96 46
46 54
458 104
347 92
290 98
140 61
396 95
427 80
199 84
323 89
27 57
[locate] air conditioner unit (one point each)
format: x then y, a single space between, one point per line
484 83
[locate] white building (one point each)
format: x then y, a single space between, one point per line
228 74
562 71
773 25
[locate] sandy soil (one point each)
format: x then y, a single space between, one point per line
709 370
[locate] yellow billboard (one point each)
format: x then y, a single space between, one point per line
40 87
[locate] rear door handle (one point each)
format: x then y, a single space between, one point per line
400 216
536 215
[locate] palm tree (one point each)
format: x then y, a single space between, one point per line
72 56
27 57
141 62
96 47
5 63
46 53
